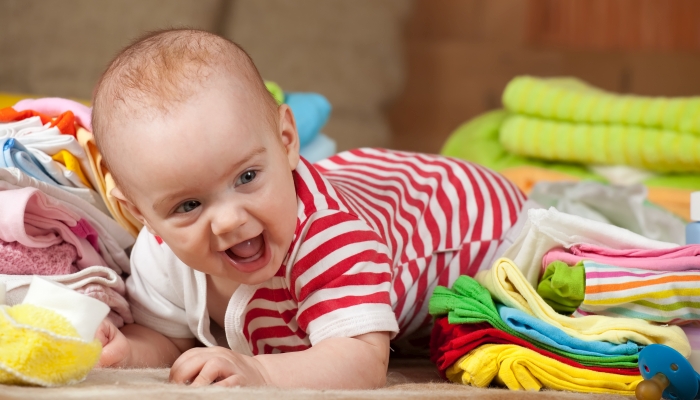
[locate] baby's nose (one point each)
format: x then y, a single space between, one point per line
227 221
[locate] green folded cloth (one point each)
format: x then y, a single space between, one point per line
467 302
570 99
647 148
563 287
477 141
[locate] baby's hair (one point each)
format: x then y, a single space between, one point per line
162 69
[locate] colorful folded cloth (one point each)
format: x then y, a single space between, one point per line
508 285
65 122
15 155
32 218
467 302
103 182
56 171
651 149
547 229
563 287
570 99
112 239
311 112
519 368
55 106
72 164
544 333
659 296
18 259
450 342
680 258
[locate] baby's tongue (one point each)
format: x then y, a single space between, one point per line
247 248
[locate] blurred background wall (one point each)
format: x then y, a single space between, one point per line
399 73
461 53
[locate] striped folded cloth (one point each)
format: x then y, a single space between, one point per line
659 296
572 100
564 119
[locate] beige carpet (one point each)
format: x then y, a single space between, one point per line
406 380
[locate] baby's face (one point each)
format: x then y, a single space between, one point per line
214 181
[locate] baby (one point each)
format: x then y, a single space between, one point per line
288 273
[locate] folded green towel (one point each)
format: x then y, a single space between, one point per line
563 287
569 99
651 149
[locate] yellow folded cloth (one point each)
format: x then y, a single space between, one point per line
104 183
72 164
41 347
508 285
519 368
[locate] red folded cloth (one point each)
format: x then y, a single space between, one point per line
64 122
450 342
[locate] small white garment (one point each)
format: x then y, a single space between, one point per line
623 206
16 286
546 229
621 174
112 238
83 312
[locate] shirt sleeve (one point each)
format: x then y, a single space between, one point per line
341 278
157 302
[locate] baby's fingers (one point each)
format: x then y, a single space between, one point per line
215 370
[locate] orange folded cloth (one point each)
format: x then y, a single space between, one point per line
64 122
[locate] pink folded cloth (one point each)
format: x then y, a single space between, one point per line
17 259
681 258
55 106
30 217
120 313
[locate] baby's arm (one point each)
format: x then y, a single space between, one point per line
334 363
138 346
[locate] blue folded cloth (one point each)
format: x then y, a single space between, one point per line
543 332
320 148
15 155
311 112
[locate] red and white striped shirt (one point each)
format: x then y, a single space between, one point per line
377 230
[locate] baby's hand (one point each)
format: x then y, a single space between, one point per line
219 366
115 346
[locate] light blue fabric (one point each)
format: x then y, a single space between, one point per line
15 155
320 148
540 331
311 112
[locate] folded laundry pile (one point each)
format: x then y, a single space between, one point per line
562 129
512 325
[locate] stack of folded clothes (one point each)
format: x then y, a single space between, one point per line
54 219
576 325
563 129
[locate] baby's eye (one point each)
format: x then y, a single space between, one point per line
188 206
246 177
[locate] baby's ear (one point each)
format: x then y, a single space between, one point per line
131 207
289 135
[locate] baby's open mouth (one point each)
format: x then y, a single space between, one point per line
247 250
